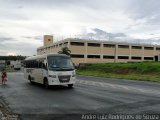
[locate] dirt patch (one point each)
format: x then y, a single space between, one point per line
5 111
121 71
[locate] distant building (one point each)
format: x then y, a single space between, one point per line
16 64
2 64
94 51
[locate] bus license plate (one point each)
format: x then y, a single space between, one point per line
65 79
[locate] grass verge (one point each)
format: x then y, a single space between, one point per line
146 71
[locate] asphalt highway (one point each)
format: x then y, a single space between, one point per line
89 96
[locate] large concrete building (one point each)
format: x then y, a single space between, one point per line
95 51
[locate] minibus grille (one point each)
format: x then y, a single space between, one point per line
64 78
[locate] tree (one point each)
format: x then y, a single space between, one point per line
65 50
18 57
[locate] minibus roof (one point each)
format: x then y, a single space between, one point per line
45 56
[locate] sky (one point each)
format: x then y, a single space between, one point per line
24 22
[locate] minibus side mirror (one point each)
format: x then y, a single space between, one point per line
75 66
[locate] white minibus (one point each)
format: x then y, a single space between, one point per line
50 69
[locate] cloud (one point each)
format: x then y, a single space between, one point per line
143 9
99 34
102 35
18 48
24 45
40 37
146 15
6 39
24 22
27 37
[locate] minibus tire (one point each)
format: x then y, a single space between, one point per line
70 85
29 78
46 83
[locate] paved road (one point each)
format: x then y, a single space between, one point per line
90 95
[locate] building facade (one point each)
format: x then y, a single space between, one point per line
94 51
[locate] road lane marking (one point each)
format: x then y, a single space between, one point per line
103 84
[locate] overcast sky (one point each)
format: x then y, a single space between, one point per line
24 22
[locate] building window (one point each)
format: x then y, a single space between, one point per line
136 58
49 39
148 58
123 46
108 57
77 43
60 45
109 45
123 57
65 44
148 48
31 64
157 48
136 47
94 44
77 56
93 56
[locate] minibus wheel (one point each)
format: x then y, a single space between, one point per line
46 83
29 78
70 85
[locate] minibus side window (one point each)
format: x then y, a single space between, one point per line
44 66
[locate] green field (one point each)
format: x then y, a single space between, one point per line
145 71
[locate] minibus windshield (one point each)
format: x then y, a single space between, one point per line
60 63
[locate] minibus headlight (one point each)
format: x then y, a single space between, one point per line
73 74
53 76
